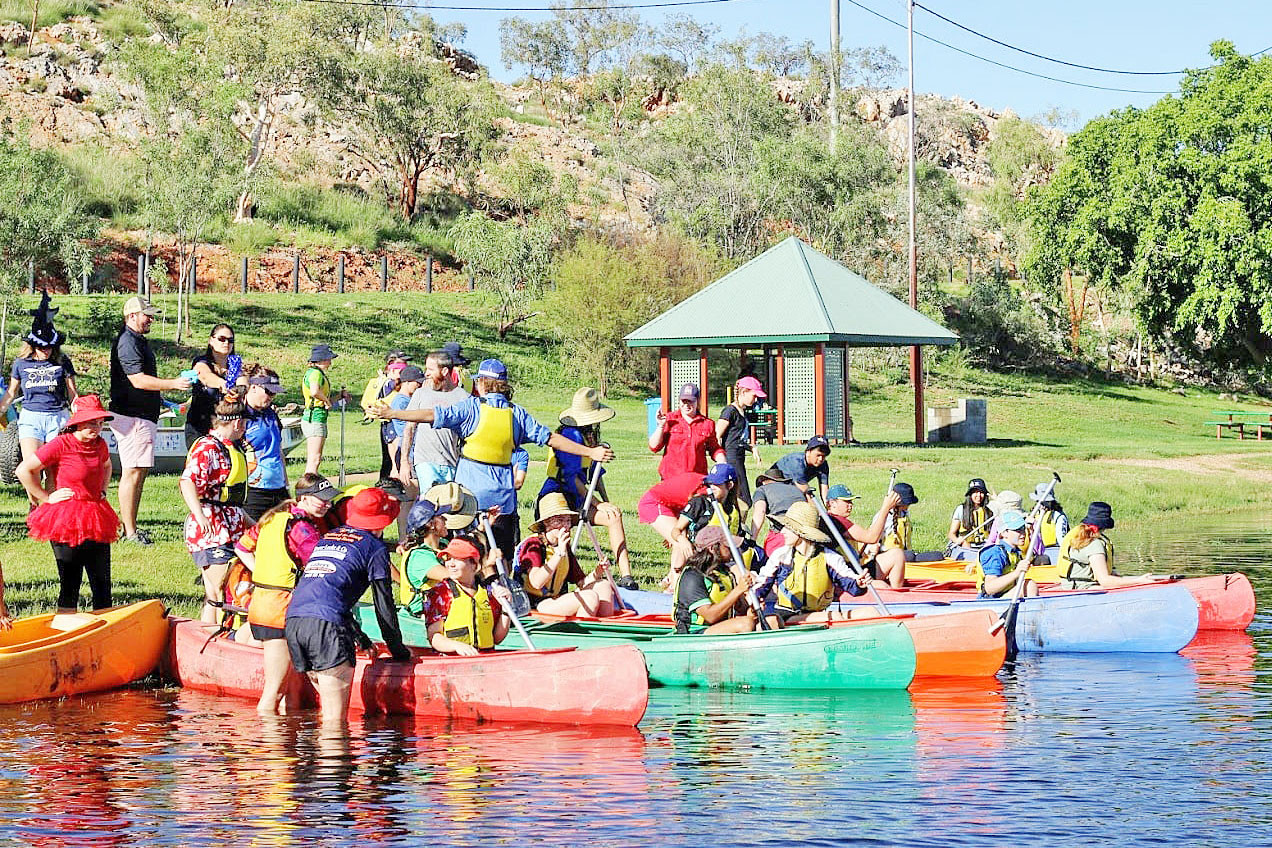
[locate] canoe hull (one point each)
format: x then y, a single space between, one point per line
1224 601
109 649
1149 619
556 687
874 656
955 645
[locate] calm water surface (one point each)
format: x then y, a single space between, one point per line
1061 750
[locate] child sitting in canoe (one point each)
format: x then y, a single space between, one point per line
895 550
464 616
442 509
1003 564
710 588
719 486
1086 554
803 575
969 525
546 565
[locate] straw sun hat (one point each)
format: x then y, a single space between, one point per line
550 506
586 408
802 518
461 502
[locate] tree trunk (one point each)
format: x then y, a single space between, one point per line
409 193
243 207
35 18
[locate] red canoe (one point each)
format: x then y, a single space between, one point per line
954 645
1224 601
607 686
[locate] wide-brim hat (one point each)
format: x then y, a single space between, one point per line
456 351
87 408
586 408
322 353
803 519
423 512
1041 492
1004 500
976 484
1099 514
461 503
550 506
774 474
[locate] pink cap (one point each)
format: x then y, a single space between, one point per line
752 384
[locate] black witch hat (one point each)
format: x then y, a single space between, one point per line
43 333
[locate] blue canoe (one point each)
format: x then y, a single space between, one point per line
1152 619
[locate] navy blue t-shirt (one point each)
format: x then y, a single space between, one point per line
43 383
338 572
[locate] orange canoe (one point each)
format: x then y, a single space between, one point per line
49 656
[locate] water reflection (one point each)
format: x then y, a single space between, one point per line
1060 750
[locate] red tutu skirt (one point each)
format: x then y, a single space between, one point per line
73 522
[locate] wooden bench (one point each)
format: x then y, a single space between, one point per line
1239 420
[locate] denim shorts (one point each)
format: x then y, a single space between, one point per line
41 426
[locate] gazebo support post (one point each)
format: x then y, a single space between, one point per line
916 376
664 376
848 437
702 380
819 389
780 370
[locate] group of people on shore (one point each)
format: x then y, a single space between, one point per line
285 566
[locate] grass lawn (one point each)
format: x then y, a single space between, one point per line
1145 450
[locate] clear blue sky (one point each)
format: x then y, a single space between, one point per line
1119 34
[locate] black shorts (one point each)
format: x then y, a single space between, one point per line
264 633
318 645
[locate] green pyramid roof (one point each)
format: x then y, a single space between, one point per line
791 294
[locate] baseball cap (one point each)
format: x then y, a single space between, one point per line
321 489
492 369
135 304
721 475
840 492
1013 519
411 374
395 355
690 391
269 384
818 442
752 384
713 534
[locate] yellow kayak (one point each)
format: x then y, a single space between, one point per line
950 570
49 656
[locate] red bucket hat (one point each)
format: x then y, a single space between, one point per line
372 509
87 408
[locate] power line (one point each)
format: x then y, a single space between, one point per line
1005 65
427 7
990 38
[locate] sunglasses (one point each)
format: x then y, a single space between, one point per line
229 339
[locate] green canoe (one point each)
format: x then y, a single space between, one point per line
867 656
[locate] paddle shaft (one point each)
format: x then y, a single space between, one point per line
849 553
342 440
751 597
1009 614
950 547
505 579
587 503
890 521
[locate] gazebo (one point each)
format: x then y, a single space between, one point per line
804 311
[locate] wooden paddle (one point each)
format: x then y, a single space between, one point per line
516 593
751 598
1008 618
849 553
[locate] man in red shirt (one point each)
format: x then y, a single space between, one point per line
687 437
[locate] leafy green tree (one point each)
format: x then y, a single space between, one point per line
538 46
512 259
778 55
686 38
1170 204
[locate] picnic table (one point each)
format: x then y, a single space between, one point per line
1239 420
763 425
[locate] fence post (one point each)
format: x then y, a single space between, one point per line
243 276
141 273
296 274
83 282
31 276
340 274
384 272
428 275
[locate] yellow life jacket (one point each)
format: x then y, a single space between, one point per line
492 441
720 582
733 518
808 588
978 521
409 592
1083 573
275 573
324 383
233 492
1048 524
554 470
371 394
1013 560
470 619
898 536
556 586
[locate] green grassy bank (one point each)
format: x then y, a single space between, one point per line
1145 450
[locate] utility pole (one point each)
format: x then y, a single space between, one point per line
916 354
834 74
